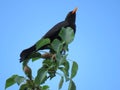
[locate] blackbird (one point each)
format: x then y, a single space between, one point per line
52 33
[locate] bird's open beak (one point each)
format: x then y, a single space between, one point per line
74 11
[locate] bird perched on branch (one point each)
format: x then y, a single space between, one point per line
53 33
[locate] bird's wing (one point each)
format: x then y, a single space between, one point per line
53 32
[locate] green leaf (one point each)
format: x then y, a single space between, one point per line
45 87
59 59
10 81
74 69
42 42
61 82
65 73
56 45
25 62
35 56
66 64
47 63
24 87
71 85
41 76
35 59
19 79
67 34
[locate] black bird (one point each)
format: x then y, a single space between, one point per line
53 33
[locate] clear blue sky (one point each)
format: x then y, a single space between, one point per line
96 47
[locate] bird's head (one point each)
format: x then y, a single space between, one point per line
71 16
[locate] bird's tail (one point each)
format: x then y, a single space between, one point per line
25 53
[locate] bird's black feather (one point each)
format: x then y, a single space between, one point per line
52 34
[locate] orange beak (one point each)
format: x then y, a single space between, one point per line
74 11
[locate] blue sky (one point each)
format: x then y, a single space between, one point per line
96 47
